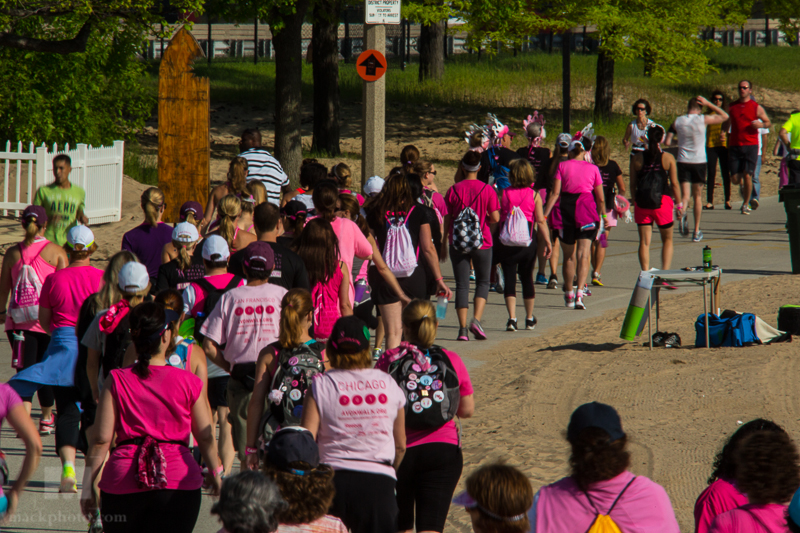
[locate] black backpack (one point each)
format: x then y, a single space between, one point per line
117 343
213 295
650 187
432 397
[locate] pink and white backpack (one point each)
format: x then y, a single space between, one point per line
24 306
398 252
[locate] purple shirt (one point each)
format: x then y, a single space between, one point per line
146 242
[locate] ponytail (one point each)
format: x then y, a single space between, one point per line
342 174
654 135
190 218
31 230
152 202
229 208
184 259
408 156
420 318
296 305
237 175
147 324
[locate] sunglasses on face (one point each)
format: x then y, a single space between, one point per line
743 88
716 99
641 109
432 172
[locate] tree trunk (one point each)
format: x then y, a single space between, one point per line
431 52
604 86
288 84
325 37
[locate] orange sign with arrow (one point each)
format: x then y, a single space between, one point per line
371 65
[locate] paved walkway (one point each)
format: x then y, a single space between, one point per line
745 247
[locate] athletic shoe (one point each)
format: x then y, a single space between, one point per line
579 303
596 280
463 334
477 330
96 524
501 280
698 236
685 225
530 323
553 282
586 291
472 275
745 210
68 480
754 204
511 325
376 354
665 284
46 427
569 300
541 279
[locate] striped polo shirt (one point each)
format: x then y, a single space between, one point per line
265 168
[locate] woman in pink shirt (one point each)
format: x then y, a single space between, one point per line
26 336
722 493
600 482
356 414
578 189
150 482
433 461
768 473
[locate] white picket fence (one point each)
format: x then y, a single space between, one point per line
97 170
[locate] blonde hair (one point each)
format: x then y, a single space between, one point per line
135 298
420 318
342 174
184 259
257 191
110 293
237 175
600 151
80 252
152 202
348 361
31 231
190 218
296 305
422 167
520 173
228 208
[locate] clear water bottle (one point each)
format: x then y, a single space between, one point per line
441 306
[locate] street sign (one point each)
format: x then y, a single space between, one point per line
371 65
382 12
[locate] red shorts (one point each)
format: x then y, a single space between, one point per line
661 216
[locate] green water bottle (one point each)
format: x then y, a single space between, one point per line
707 259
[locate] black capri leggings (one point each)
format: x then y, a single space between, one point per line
35 345
517 261
720 153
426 480
68 421
364 502
154 511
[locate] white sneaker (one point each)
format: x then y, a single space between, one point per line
579 303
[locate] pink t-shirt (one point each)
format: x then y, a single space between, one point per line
523 197
65 291
357 410
578 176
768 518
246 319
480 197
159 406
8 400
352 243
719 497
448 433
325 524
42 268
645 506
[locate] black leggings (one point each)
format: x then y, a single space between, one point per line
517 261
364 502
426 479
33 350
68 421
154 511
712 155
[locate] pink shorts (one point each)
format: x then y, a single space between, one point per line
661 216
611 219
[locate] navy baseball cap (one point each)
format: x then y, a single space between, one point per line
595 415
349 335
292 444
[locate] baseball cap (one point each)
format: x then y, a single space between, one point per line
215 249
595 415
349 335
185 232
258 256
574 145
374 185
294 208
34 211
292 444
510 133
191 207
80 235
133 277
564 139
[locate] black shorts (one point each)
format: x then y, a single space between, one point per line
415 286
365 502
218 391
743 159
694 173
570 236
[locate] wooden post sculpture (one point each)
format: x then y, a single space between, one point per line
183 124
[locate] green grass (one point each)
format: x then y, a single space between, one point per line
141 167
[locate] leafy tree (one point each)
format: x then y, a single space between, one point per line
431 15
786 11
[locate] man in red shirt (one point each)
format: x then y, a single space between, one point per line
746 117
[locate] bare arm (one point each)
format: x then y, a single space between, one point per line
384 271
719 115
670 135
345 307
552 197
211 206
9 260
199 366
310 419
626 139
204 434
429 250
98 448
21 422
673 177
620 184
541 228
255 409
762 116
466 406
784 136
399 432
599 200
215 355
446 236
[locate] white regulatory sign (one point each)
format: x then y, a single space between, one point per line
382 12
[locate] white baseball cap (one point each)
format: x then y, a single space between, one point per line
574 145
185 232
133 277
80 235
215 248
564 139
373 185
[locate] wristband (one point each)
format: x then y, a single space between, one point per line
250 451
219 470
604 215
439 278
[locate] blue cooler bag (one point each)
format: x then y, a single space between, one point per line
736 331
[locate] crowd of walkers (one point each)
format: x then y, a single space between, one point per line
246 330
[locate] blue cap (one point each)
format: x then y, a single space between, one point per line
595 415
